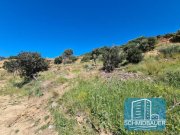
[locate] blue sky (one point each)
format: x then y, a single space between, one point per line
51 26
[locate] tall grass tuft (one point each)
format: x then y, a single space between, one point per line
170 50
172 78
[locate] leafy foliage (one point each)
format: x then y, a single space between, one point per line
13 57
86 58
11 66
95 54
144 44
28 64
134 55
111 59
68 53
169 35
176 37
66 58
58 60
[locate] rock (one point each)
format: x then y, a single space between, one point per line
54 105
51 127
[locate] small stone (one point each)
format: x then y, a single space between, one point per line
51 127
54 105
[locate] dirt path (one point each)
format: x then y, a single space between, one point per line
30 116
25 117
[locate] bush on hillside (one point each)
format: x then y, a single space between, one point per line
11 66
134 55
68 53
176 37
95 54
68 56
111 59
169 35
28 64
144 44
12 57
58 60
99 51
86 58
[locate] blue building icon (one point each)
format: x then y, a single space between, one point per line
141 109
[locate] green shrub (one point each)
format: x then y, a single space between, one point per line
12 57
86 58
95 54
68 57
58 60
11 66
169 35
68 53
176 37
150 45
111 59
144 44
28 64
134 55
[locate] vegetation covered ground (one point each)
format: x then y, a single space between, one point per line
81 98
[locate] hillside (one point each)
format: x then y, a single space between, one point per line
79 98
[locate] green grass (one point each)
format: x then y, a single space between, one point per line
60 80
170 50
155 66
48 75
17 86
3 75
63 125
68 126
10 87
103 102
172 78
